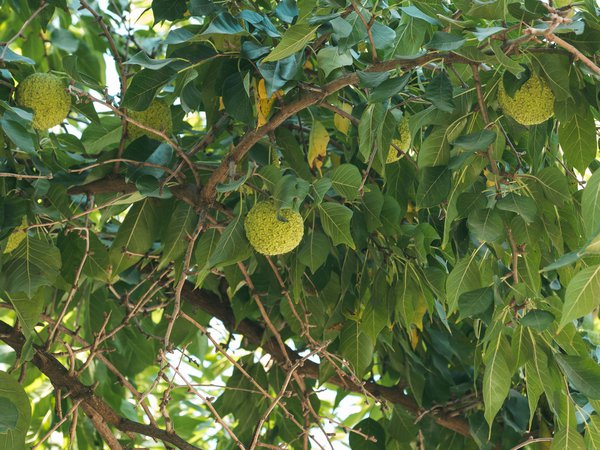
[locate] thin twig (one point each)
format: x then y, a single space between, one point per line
19 176
158 133
486 120
368 27
58 424
531 441
19 34
74 287
122 76
209 405
277 399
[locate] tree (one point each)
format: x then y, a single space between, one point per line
431 165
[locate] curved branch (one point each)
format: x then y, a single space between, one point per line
99 412
255 333
312 97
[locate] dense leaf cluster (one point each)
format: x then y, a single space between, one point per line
447 282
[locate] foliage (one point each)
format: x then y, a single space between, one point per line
448 298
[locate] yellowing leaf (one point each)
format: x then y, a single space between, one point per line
341 123
16 237
264 103
414 337
317 145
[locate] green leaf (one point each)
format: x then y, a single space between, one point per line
445 41
223 23
17 133
592 433
346 180
143 60
590 205
232 246
582 295
13 399
374 319
29 309
557 68
577 138
537 319
357 347
10 56
464 277
33 263
9 415
335 219
136 235
329 59
144 86
523 206
168 9
177 233
556 187
410 35
536 370
388 88
568 439
435 150
314 250
236 99
295 39
479 140
371 428
496 380
486 224
373 204
475 302
290 191
439 92
383 36
582 372
509 63
484 33
369 122
434 186
102 136
415 12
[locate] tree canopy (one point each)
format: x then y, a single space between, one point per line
299 224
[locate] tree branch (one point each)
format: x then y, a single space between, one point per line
99 412
255 333
312 97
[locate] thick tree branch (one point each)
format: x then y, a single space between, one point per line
313 97
99 412
255 334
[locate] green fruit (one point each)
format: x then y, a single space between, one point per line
532 104
403 142
271 233
46 95
157 116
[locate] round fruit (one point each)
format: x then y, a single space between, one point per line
157 116
533 103
46 95
273 233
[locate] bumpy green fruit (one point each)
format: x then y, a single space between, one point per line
533 103
156 116
403 142
270 234
46 95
